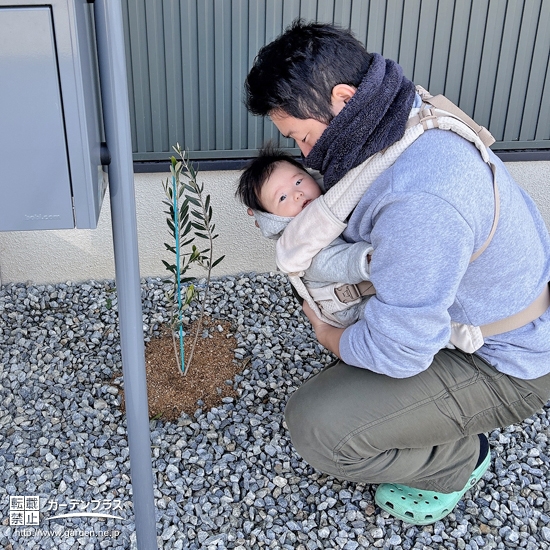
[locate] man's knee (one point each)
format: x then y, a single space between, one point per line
309 428
301 415
309 410
319 429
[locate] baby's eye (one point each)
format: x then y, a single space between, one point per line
283 197
298 182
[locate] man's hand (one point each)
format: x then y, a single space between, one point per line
327 335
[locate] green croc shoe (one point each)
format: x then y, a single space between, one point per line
423 507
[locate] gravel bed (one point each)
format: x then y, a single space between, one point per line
227 477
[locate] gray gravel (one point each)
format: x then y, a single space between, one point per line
227 477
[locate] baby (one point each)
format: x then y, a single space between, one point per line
277 188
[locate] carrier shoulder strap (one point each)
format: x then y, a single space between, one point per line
441 102
435 118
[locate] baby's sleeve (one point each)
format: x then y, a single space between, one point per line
341 262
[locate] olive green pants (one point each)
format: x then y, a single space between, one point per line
420 431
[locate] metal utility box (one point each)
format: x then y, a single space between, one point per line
51 129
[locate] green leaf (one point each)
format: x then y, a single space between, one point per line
218 261
201 235
169 267
194 255
190 291
197 214
187 229
194 201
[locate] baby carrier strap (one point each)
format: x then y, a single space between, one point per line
533 311
350 292
442 103
438 117
496 215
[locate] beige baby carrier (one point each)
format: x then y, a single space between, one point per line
296 247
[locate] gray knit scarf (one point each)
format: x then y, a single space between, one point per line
373 119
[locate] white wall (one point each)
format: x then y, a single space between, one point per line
83 254
78 255
534 177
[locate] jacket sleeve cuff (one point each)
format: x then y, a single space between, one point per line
344 349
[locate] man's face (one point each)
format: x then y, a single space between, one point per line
288 190
305 132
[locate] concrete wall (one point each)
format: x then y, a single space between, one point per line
78 255
83 254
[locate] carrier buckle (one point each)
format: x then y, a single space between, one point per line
347 293
428 119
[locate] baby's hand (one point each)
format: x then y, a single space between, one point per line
310 314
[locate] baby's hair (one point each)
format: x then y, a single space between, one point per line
258 172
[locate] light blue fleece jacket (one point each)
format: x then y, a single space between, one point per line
425 217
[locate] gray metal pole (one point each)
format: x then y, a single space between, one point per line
114 95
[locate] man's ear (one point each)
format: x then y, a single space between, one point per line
341 94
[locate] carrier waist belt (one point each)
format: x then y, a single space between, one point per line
529 314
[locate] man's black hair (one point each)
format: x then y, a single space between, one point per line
298 70
257 173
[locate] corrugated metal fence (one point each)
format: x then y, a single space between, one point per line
187 61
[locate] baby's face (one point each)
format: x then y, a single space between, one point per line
288 190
